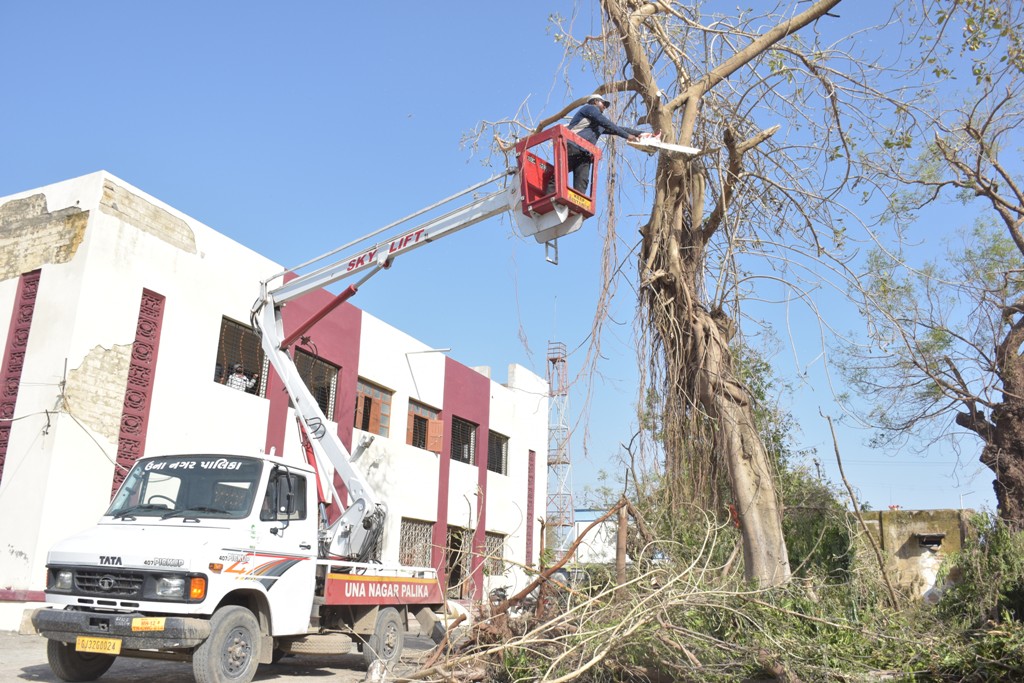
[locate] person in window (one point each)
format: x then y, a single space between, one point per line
239 380
590 123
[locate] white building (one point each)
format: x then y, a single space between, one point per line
119 320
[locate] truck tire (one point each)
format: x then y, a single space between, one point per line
387 640
69 665
232 652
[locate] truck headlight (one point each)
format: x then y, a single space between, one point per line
170 587
63 580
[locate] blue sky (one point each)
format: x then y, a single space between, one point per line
293 128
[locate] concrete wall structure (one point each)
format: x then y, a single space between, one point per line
111 310
914 544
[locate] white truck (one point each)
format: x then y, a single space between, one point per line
232 561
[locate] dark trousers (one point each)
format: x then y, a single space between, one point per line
580 163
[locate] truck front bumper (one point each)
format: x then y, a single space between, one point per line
136 631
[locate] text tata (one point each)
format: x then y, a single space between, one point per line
397 245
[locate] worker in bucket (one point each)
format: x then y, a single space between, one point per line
590 123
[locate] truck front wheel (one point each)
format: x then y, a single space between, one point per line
232 652
69 665
387 640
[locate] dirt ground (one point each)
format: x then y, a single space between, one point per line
23 658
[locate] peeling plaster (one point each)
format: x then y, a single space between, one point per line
31 236
147 217
95 389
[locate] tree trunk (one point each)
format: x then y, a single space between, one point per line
751 473
1004 455
701 382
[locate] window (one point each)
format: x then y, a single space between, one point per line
322 379
373 408
456 561
239 345
189 486
414 543
463 440
494 549
497 453
285 499
425 429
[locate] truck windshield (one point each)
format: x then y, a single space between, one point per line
188 486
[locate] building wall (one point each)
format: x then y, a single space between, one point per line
914 544
98 243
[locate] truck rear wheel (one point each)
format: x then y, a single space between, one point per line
232 652
387 640
69 665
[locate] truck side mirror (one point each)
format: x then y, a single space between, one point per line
282 502
285 495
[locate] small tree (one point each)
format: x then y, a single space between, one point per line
946 335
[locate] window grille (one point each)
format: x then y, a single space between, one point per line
419 431
239 345
497 453
494 545
321 378
463 440
373 408
414 543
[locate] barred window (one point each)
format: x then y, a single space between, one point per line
240 346
463 440
424 428
494 545
321 378
373 408
414 542
497 453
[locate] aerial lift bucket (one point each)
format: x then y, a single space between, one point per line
551 207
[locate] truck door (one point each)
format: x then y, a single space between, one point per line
285 543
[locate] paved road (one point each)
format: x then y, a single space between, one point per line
23 658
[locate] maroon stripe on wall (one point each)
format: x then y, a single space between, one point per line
531 483
467 394
14 355
439 534
336 340
138 392
15 595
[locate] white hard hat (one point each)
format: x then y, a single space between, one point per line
597 96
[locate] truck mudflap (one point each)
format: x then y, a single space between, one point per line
132 631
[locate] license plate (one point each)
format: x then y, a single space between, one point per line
107 646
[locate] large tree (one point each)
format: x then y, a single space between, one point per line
946 334
728 83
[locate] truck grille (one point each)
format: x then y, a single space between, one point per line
113 583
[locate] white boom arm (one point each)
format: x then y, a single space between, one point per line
356 526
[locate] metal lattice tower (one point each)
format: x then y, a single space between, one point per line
560 515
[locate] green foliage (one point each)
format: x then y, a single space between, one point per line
815 526
930 327
683 623
987 575
990 27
